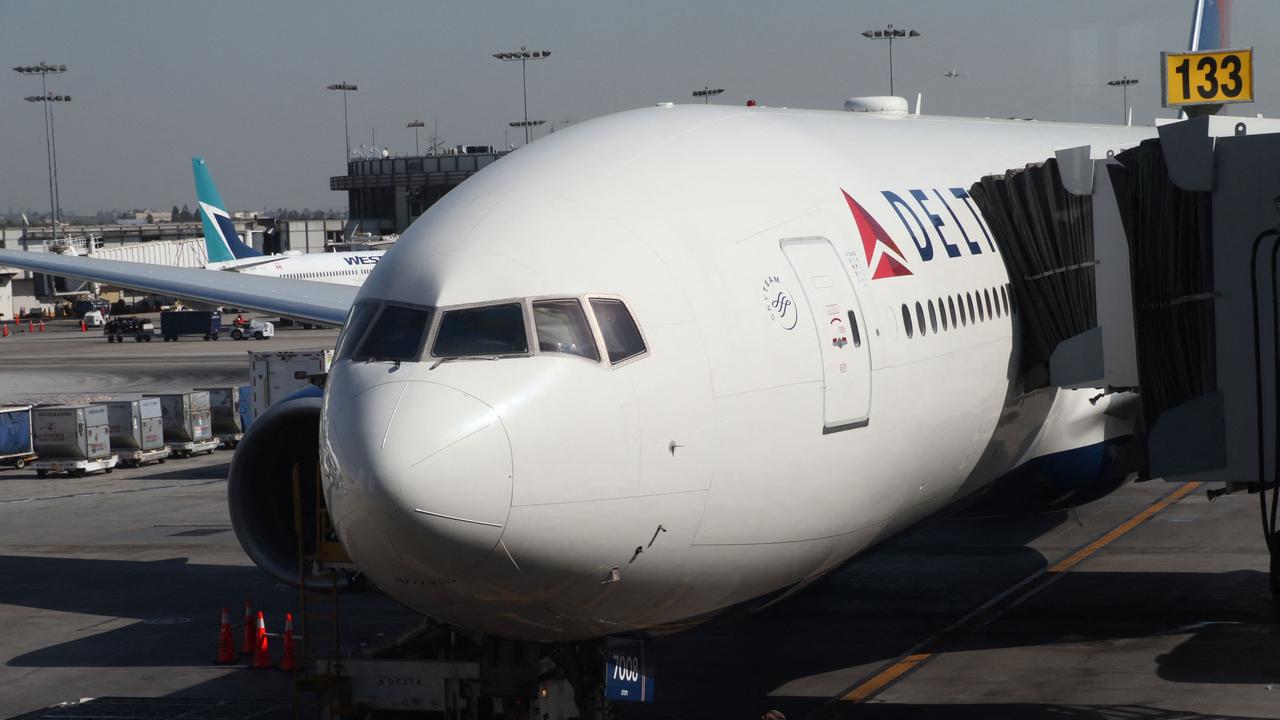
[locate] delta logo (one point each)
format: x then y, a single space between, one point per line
882 254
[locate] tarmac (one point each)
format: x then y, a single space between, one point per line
1150 603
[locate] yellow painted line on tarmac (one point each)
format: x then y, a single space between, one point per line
884 677
1083 553
873 685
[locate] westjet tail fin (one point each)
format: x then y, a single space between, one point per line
220 237
1211 28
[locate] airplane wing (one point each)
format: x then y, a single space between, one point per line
324 303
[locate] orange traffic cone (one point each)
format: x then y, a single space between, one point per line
41 326
6 330
262 658
83 327
288 663
226 648
28 324
247 643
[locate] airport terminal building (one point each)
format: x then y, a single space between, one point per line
385 195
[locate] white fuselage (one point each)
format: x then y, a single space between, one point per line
549 497
342 268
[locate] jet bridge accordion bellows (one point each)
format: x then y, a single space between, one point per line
1170 234
1045 236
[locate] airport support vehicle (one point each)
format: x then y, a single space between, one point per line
186 421
16 447
256 329
95 319
226 418
72 439
119 328
137 431
176 323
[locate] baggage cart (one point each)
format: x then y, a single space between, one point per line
17 447
137 431
71 432
225 414
74 466
187 423
176 323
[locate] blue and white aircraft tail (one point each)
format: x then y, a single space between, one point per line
220 237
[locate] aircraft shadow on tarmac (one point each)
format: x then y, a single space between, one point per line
163 612
877 607
863 615
1021 711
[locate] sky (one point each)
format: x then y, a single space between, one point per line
154 82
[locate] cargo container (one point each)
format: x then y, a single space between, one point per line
276 374
137 431
16 446
175 323
71 431
224 408
186 420
71 438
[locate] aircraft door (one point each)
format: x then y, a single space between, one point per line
843 340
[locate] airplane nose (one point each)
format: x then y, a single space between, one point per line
432 463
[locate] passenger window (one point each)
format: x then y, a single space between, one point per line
973 316
396 334
951 307
357 322
942 310
1004 299
933 319
906 320
920 319
562 328
482 331
987 295
964 318
621 336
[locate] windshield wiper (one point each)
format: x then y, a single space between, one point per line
451 358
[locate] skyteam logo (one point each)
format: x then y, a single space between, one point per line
884 259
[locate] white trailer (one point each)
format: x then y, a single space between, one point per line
276 374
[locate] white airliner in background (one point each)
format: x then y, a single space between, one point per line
227 252
588 395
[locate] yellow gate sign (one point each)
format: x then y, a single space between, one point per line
1212 77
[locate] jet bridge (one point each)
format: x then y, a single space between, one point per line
1154 269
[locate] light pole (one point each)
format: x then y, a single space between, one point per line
528 126
706 93
50 142
890 33
524 56
345 87
1123 83
415 125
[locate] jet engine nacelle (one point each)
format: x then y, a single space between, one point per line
281 444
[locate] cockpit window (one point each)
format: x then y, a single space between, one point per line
622 338
482 331
397 334
357 322
562 328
